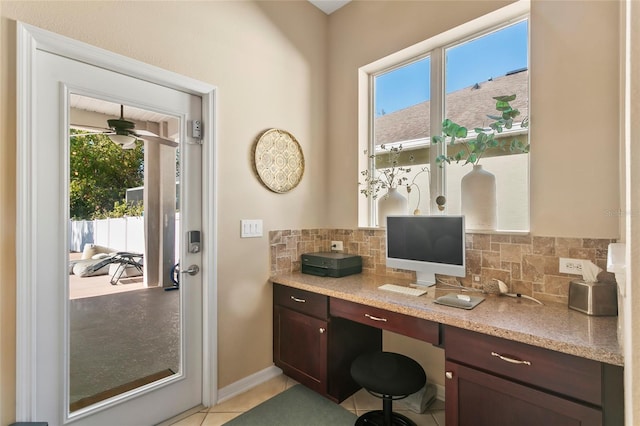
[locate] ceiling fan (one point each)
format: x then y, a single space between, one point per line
123 132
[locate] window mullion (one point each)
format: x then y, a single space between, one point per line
373 211
438 175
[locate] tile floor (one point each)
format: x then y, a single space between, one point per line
359 403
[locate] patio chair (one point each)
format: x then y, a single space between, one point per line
123 259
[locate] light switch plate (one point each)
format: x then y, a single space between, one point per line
250 228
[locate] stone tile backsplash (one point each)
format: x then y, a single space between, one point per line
527 264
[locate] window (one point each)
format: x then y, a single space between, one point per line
500 67
402 117
410 93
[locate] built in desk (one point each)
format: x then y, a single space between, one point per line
506 360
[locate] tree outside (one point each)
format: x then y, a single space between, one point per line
100 173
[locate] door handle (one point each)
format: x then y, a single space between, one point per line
192 270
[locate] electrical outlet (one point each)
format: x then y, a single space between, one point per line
571 266
337 246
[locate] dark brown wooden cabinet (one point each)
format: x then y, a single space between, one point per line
300 347
498 382
490 381
315 349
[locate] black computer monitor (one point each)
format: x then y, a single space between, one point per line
428 245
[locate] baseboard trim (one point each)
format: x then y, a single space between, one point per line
247 383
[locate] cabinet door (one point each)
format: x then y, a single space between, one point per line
300 347
475 398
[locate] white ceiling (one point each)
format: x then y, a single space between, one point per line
91 114
329 6
112 109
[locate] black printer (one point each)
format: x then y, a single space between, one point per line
330 264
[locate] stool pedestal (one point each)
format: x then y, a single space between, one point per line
383 418
389 376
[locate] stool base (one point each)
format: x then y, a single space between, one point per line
376 418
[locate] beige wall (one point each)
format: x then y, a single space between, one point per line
285 64
268 61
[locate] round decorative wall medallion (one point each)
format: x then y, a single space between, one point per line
278 160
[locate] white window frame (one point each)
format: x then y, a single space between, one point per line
433 47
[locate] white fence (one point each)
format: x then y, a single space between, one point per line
121 234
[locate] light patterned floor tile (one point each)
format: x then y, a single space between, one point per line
218 419
439 416
349 404
364 401
193 420
291 382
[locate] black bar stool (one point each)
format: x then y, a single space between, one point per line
389 376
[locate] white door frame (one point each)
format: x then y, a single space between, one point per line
31 39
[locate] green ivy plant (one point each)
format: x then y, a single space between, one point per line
483 139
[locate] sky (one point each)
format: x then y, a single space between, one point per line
473 62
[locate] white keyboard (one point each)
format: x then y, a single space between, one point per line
410 291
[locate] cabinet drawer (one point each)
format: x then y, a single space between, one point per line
305 302
386 320
566 374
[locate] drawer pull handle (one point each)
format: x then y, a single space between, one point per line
448 375
375 318
511 360
295 299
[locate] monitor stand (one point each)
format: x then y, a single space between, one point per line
424 280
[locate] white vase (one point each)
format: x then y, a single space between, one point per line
478 199
391 203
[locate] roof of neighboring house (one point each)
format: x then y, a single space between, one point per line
468 107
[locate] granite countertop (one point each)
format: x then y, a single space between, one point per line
552 326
